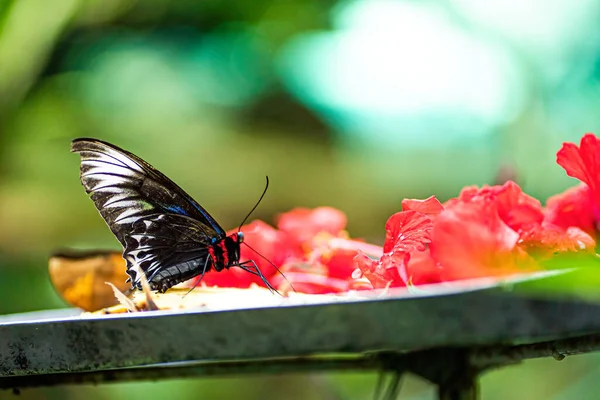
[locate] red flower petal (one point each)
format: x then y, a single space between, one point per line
469 192
333 243
233 277
269 244
431 206
422 269
378 273
579 241
583 162
313 283
546 240
337 254
573 207
407 231
517 209
470 240
302 224
339 262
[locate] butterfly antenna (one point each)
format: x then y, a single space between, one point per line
274 266
256 205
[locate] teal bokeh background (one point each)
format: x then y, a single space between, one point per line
352 104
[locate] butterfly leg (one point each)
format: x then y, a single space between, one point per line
204 269
254 270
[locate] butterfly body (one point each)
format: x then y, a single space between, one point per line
164 232
219 256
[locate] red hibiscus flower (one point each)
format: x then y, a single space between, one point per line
573 207
517 209
431 206
303 224
381 273
316 277
406 232
526 217
339 261
305 277
583 162
327 266
578 206
486 231
328 261
470 240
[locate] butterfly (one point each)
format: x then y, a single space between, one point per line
166 235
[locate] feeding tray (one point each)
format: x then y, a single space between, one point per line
438 332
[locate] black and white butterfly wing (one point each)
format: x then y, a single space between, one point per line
144 209
168 248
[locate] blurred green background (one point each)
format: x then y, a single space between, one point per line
352 104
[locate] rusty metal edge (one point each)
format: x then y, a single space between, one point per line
495 318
